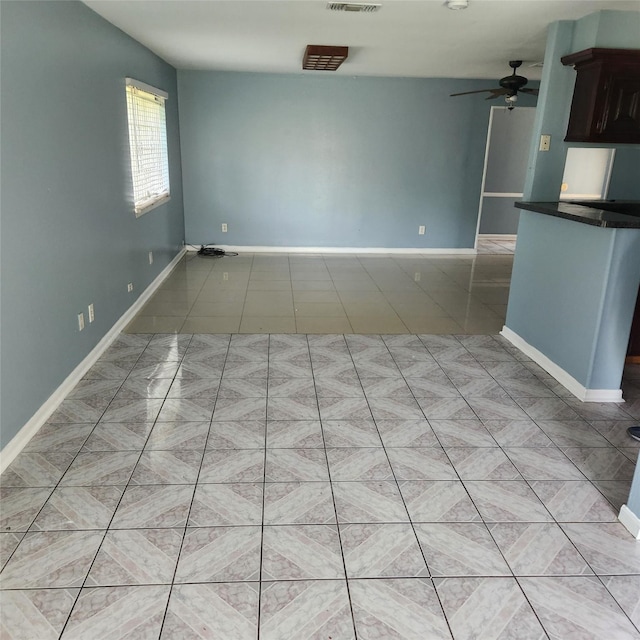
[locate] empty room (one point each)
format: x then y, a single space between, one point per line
320 319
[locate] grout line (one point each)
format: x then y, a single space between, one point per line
126 485
410 519
333 498
264 491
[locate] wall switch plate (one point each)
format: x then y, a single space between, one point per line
545 142
92 315
224 227
130 287
421 230
80 321
150 257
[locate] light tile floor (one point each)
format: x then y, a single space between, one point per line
293 486
276 293
496 244
240 485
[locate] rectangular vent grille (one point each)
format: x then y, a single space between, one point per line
355 7
319 57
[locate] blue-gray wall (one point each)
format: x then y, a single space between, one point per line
580 317
572 319
69 235
318 160
572 296
614 29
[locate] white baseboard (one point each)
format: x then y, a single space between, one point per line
508 237
356 250
630 521
21 439
564 378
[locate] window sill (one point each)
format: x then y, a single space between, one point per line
140 211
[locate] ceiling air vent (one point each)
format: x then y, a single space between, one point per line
319 57
355 7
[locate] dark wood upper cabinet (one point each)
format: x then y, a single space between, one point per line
606 98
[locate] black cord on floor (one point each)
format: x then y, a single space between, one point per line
211 252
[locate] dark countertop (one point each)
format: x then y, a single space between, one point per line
606 213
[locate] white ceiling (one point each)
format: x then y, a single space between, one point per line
411 38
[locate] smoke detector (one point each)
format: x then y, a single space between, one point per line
354 7
457 4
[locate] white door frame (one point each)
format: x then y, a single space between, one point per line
483 193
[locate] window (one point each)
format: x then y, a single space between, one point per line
147 145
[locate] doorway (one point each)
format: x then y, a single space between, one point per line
505 166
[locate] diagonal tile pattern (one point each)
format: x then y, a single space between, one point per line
312 486
135 611
381 551
577 607
460 549
305 609
51 559
20 505
538 549
218 610
487 607
219 554
400 608
301 552
136 556
36 613
78 508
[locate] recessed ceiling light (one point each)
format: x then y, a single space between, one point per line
457 4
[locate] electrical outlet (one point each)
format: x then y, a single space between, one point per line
130 287
80 321
150 257
92 315
416 276
225 275
421 230
224 227
545 142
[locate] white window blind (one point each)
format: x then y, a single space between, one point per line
147 145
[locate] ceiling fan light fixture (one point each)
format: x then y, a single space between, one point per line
318 57
456 5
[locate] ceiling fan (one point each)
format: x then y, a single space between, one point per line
509 87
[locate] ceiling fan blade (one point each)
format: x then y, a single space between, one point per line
533 92
464 93
496 93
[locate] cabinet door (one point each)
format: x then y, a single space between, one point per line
620 120
588 101
606 97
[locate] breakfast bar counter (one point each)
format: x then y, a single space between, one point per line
573 291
